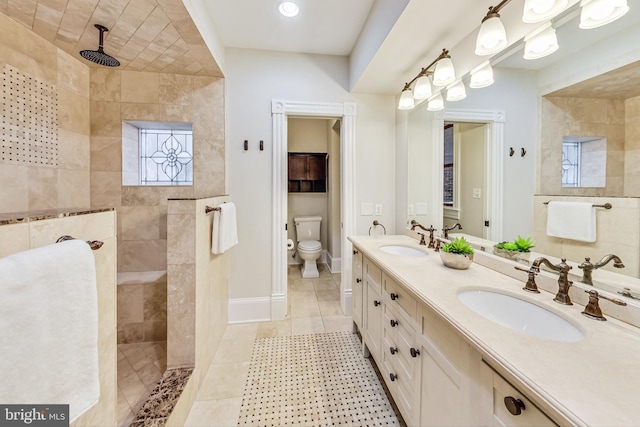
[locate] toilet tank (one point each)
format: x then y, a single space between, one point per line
307 227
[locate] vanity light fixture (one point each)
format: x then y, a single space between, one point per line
541 42
436 103
288 9
596 13
456 91
422 90
406 99
481 76
542 10
492 37
443 74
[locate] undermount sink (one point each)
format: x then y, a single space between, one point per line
403 251
520 315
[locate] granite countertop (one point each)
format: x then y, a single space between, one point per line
590 382
23 217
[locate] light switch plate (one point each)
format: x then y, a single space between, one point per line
477 193
410 209
366 209
378 209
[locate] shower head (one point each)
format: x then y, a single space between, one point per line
98 56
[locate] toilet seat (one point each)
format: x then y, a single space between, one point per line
309 245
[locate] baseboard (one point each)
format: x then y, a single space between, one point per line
246 310
334 264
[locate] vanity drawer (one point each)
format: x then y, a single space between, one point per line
372 275
398 296
403 335
400 380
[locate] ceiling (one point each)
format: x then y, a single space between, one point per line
329 27
621 83
145 35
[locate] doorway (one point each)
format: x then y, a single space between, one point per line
281 111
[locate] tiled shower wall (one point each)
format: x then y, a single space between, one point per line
143 96
49 166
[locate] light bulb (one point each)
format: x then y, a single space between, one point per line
542 10
541 42
406 100
492 37
596 13
288 9
481 76
422 89
456 91
444 72
436 103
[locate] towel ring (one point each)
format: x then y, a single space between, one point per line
375 223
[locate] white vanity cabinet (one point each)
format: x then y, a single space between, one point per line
357 286
372 307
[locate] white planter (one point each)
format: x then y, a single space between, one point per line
457 261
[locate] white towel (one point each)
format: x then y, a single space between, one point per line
572 220
225 229
49 327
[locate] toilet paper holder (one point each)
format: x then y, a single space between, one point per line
375 224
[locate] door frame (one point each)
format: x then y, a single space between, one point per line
494 163
280 110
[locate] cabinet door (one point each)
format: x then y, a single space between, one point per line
316 168
372 310
298 167
357 285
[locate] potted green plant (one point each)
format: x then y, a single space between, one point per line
519 248
457 254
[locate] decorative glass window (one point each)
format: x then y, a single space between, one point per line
449 171
571 164
157 153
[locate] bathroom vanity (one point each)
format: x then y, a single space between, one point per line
446 364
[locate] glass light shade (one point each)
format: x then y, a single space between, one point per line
422 89
444 73
596 13
456 91
492 37
288 9
542 10
481 76
541 42
436 103
406 100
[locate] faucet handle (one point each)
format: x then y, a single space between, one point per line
592 309
422 241
531 285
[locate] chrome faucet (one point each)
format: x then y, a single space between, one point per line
587 267
562 297
446 230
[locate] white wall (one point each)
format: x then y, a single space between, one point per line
253 79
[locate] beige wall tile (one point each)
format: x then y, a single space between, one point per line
14 197
105 85
130 304
73 150
105 153
181 291
105 119
73 112
105 189
181 340
175 89
139 87
139 223
140 111
43 189
13 238
73 75
181 238
142 255
74 188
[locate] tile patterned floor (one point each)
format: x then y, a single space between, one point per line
317 380
140 367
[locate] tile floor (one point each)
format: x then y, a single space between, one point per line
140 367
314 307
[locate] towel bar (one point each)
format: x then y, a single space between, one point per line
606 205
208 209
94 244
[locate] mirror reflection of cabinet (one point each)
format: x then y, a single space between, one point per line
307 172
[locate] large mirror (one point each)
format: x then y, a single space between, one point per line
586 94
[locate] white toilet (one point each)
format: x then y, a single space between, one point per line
309 246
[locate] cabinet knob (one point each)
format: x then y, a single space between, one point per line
376 303
394 296
414 352
393 377
514 406
393 350
358 280
355 252
394 323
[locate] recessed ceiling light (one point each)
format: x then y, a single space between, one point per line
288 9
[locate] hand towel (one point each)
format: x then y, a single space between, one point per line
572 220
225 230
49 327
